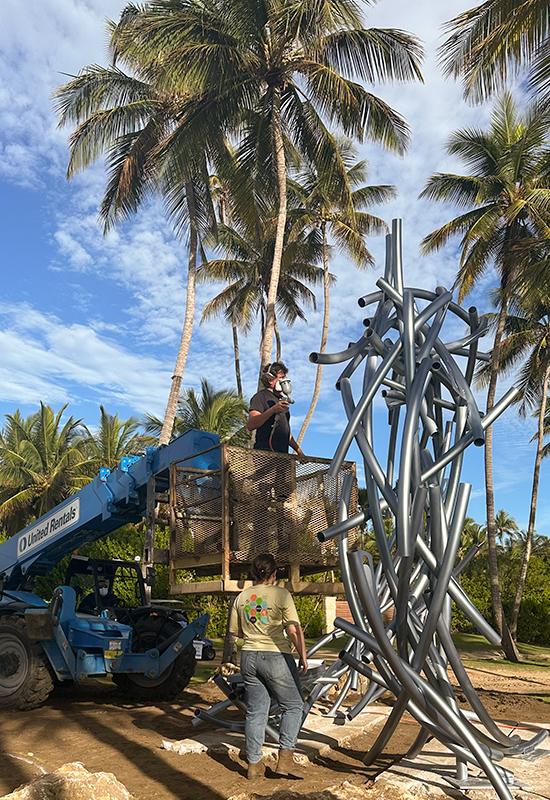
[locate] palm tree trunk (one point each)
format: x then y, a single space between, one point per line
277 339
533 510
237 359
279 153
225 213
324 336
185 341
508 644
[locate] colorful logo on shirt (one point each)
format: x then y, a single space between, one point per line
255 610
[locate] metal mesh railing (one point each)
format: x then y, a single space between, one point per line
279 503
198 511
274 503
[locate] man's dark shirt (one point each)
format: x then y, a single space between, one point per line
88 604
274 434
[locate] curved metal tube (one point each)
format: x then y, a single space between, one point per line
468 438
368 396
343 355
409 680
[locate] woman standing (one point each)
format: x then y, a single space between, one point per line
265 617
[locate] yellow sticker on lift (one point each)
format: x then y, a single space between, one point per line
113 653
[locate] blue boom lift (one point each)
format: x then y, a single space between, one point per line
148 649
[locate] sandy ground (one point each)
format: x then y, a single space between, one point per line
93 725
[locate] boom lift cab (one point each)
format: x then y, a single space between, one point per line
149 650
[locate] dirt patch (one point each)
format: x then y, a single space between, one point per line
90 724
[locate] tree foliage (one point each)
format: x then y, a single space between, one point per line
217 411
491 42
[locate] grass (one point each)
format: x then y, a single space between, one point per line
476 651
204 669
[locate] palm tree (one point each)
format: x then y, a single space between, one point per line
507 202
220 195
284 64
127 118
335 208
528 344
494 39
220 412
505 526
114 438
517 544
473 533
43 461
247 269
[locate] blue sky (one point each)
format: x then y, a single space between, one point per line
87 319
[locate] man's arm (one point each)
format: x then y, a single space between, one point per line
256 418
295 446
297 635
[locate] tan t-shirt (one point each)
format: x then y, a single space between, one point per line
260 615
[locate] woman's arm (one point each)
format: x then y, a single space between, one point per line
297 635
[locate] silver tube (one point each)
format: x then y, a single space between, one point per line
410 680
341 527
396 253
470 555
343 548
459 596
394 429
468 689
473 349
376 342
433 334
343 355
369 299
464 390
472 338
213 710
479 356
368 396
468 438
406 460
323 641
408 338
350 368
445 573
341 696
456 465
437 301
207 716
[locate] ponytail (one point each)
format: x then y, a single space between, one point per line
263 567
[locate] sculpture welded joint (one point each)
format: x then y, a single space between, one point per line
433 417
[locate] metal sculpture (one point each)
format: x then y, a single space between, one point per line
417 507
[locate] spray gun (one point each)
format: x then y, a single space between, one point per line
285 386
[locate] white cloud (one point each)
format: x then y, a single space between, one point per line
41 358
129 287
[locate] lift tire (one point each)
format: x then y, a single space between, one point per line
208 653
26 676
150 632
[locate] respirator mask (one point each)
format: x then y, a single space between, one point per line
103 591
285 386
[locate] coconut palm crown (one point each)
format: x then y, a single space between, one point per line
493 41
289 63
43 461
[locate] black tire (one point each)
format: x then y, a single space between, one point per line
26 677
208 653
150 632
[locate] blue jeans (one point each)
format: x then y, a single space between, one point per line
269 674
